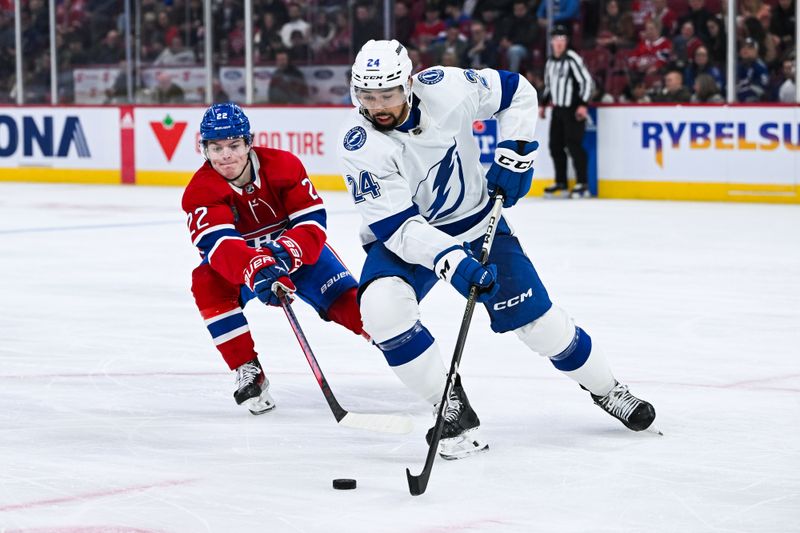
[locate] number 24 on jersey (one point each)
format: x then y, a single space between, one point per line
364 185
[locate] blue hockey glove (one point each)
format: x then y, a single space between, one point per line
512 170
286 251
266 277
457 266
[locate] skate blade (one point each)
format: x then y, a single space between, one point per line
653 429
557 195
260 405
464 445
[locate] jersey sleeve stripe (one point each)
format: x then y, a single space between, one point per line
305 211
312 223
509 81
209 230
460 226
209 240
220 241
385 228
320 217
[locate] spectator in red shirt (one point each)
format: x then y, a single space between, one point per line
652 52
429 29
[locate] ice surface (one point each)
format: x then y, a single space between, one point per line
116 411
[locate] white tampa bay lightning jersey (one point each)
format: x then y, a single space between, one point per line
420 188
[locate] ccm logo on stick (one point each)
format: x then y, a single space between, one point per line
514 300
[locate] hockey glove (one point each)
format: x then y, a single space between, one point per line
457 266
512 170
286 251
266 277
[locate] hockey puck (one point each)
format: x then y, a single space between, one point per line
344 484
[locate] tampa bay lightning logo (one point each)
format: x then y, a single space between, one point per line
429 77
443 174
355 138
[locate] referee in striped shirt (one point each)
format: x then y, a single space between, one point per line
568 86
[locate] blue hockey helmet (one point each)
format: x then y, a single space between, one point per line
225 121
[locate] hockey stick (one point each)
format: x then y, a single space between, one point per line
418 484
383 423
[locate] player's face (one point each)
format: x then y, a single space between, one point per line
229 157
385 107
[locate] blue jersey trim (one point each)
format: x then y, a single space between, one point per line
413 118
576 353
320 217
460 226
407 346
208 241
509 81
383 229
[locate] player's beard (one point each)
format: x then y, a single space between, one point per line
396 120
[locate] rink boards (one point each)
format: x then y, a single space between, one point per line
736 153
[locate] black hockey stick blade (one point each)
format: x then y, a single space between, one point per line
417 484
382 423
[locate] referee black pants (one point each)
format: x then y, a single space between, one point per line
566 133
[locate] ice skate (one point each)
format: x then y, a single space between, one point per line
252 388
556 191
460 436
580 190
636 414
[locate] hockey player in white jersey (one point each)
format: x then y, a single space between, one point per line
412 167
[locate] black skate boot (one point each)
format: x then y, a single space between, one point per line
556 191
252 388
580 190
636 414
460 432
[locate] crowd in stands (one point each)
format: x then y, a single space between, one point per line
638 51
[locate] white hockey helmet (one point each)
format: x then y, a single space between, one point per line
380 65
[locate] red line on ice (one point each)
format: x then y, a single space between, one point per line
93 495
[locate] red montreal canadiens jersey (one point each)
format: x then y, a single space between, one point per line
228 223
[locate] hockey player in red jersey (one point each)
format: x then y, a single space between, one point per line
259 225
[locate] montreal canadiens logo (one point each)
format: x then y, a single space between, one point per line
355 138
429 77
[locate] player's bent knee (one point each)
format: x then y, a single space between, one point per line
212 291
550 334
381 321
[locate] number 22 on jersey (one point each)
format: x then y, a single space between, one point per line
196 224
